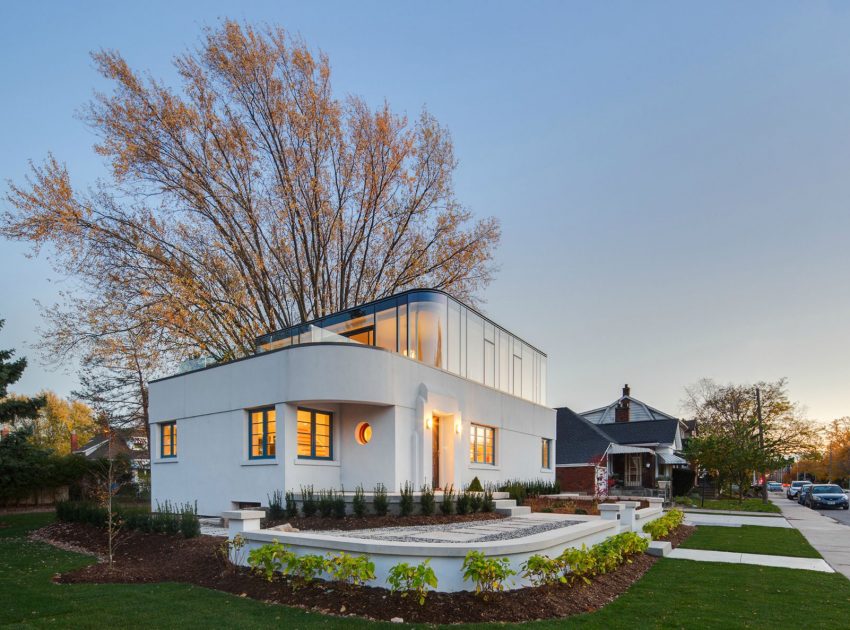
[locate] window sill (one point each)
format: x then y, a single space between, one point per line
271 461
483 467
315 462
166 460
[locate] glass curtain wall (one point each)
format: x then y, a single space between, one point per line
435 329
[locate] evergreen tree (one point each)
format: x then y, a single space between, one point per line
14 408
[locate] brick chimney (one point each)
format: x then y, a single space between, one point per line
621 412
74 442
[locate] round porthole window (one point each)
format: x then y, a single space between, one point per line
363 433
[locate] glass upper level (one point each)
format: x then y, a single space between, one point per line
431 327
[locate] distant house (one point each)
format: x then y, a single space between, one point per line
133 444
626 447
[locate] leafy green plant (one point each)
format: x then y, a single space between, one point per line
358 503
380 502
270 559
542 570
663 526
354 570
578 564
276 511
306 568
475 485
405 505
488 574
291 505
308 501
408 579
447 506
426 500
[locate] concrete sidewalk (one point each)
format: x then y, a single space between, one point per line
735 520
785 562
831 539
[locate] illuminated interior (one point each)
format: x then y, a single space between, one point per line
315 434
432 328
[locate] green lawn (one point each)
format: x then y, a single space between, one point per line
747 505
775 541
673 594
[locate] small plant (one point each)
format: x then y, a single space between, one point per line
405 505
541 570
475 485
488 574
463 502
578 564
338 504
663 526
306 568
326 502
412 579
308 501
426 500
231 553
487 502
380 501
476 500
291 505
358 503
448 504
354 570
276 511
270 559
190 525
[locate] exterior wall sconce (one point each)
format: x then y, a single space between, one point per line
458 426
429 422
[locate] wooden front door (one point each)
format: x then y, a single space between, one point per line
435 453
633 469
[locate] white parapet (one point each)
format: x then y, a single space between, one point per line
240 521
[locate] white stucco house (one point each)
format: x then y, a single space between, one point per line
417 387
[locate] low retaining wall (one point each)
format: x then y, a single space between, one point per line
445 558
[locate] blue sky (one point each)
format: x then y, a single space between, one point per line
672 178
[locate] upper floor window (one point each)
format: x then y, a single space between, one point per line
315 434
481 444
545 453
168 439
262 433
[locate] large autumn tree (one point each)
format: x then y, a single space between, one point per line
246 198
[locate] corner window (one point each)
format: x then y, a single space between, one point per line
545 453
481 444
168 439
262 433
315 434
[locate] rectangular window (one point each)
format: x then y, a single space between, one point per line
315 434
482 444
262 433
168 439
545 453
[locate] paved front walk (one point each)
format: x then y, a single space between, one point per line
734 520
808 564
831 539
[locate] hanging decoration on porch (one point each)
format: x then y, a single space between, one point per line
601 482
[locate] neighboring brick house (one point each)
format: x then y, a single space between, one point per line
627 445
133 444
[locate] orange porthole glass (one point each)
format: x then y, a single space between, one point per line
363 433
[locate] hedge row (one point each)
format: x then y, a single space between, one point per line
168 518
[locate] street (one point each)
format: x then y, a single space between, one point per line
842 516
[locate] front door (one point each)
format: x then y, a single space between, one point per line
633 469
435 453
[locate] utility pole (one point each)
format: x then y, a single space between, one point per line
761 444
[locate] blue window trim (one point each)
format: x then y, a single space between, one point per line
173 425
265 440
313 413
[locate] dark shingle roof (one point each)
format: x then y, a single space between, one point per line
646 432
578 441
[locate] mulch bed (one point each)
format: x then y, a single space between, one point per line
569 506
148 558
679 535
374 521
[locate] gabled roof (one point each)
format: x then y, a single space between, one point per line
639 411
582 442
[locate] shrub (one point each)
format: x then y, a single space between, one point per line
463 502
686 501
358 503
355 570
168 518
412 579
476 499
326 502
380 501
190 525
488 574
291 505
81 512
663 526
580 511
448 504
270 559
519 489
475 485
308 501
276 510
579 564
542 570
426 500
683 481
405 505
338 504
487 502
306 568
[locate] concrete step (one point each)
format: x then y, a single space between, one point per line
503 503
659 548
515 510
501 495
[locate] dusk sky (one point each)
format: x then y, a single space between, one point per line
673 179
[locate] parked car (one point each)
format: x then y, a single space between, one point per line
826 495
794 488
774 486
804 491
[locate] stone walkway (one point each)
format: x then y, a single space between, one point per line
831 539
700 555
472 531
212 527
